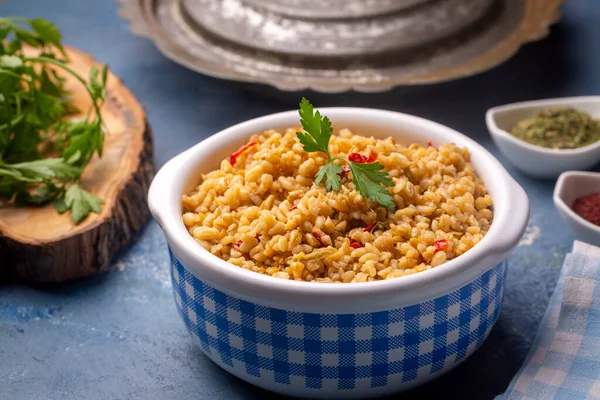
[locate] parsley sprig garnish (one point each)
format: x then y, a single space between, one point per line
369 179
42 152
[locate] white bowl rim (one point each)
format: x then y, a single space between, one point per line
567 210
542 103
502 238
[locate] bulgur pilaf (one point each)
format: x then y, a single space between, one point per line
265 214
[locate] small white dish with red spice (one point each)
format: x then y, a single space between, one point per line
570 187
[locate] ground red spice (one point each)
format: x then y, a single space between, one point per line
588 207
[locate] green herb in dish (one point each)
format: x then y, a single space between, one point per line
42 151
368 177
558 128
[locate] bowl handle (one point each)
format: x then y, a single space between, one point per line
517 218
162 188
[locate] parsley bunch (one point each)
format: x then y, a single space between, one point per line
370 179
42 151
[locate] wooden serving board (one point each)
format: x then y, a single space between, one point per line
38 244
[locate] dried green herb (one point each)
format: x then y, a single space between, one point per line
558 128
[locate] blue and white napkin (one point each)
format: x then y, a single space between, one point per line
564 361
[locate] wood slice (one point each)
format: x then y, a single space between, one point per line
38 244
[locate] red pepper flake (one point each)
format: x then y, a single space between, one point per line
429 143
294 208
357 158
257 237
234 156
440 245
355 244
371 226
588 208
345 169
372 157
319 237
238 243
360 159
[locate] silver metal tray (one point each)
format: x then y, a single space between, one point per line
492 39
240 22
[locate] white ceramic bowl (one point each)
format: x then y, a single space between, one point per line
345 340
569 187
539 161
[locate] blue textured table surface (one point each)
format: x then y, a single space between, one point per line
118 336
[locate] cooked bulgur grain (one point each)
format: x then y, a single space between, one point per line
265 214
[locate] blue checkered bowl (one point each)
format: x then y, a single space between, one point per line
345 340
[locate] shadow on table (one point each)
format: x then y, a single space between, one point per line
90 283
486 374
236 388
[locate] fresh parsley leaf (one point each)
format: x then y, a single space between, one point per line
104 76
4 31
373 171
13 46
45 168
8 83
48 109
368 179
10 61
81 203
24 146
331 173
49 86
43 194
75 157
60 205
14 174
99 135
318 129
79 142
48 31
9 186
34 120
96 86
24 35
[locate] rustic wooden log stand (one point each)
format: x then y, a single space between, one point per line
37 244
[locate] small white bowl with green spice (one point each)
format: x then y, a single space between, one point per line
538 161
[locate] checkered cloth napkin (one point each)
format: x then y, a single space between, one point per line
564 361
